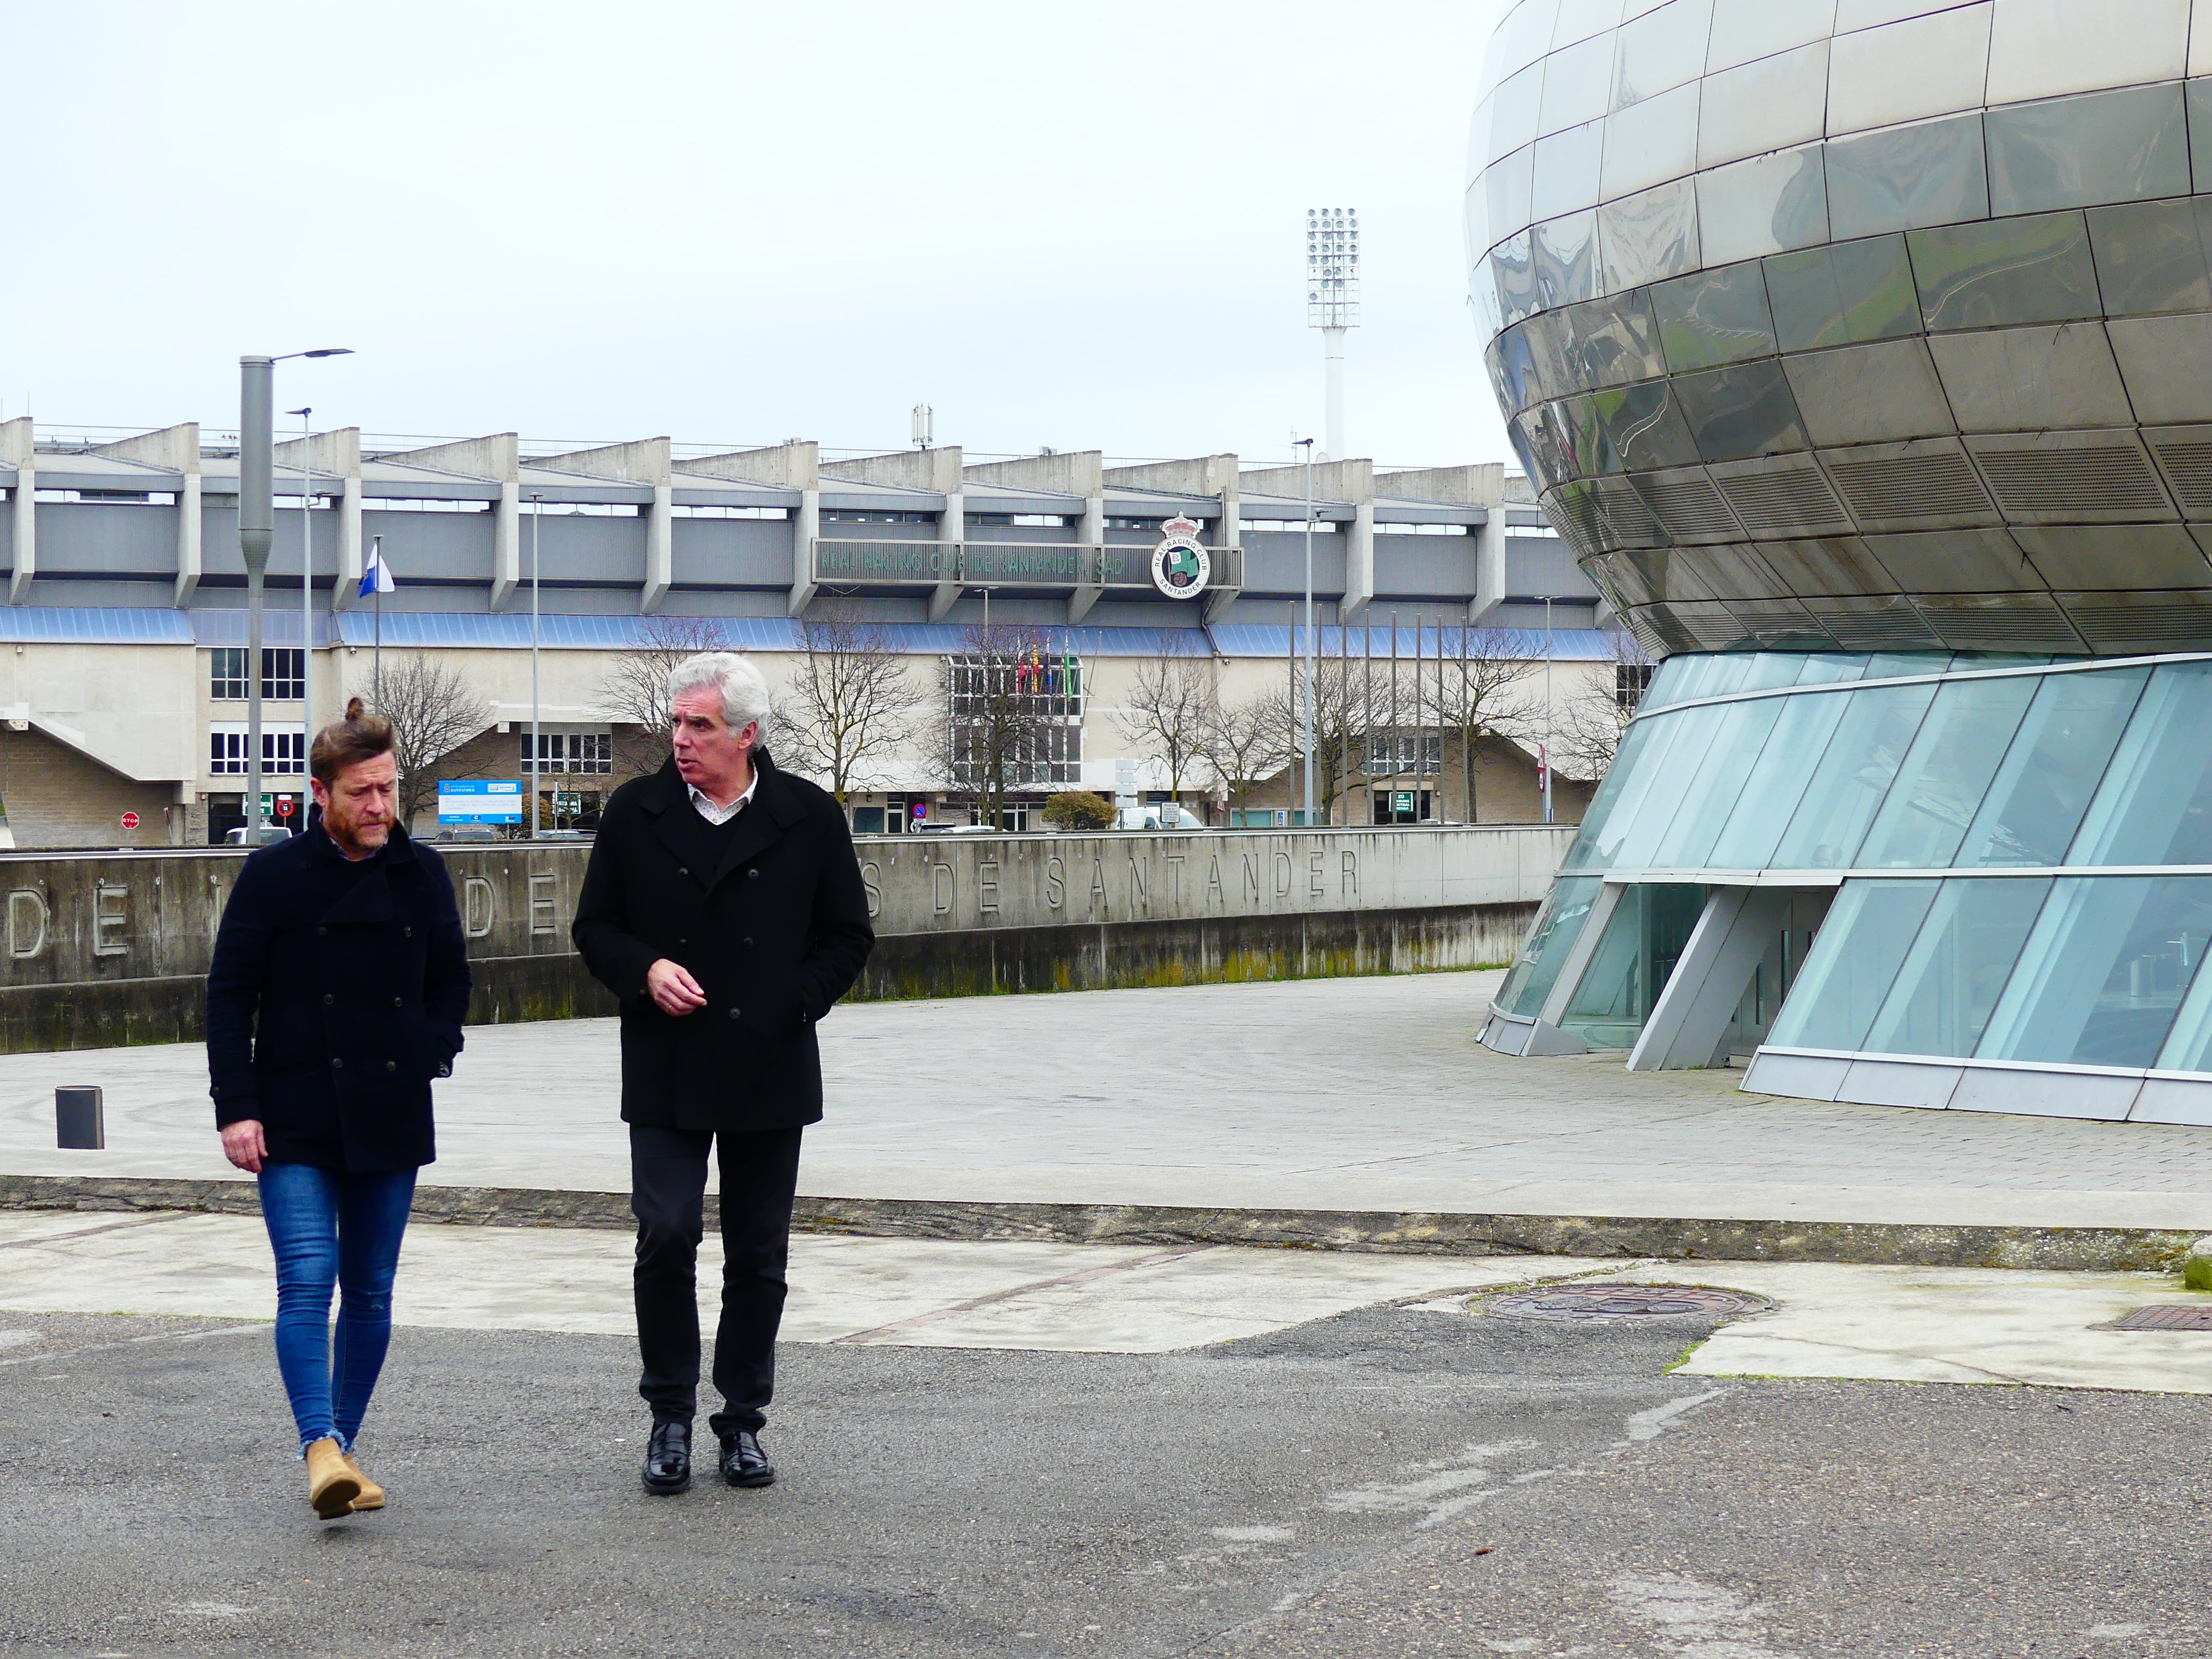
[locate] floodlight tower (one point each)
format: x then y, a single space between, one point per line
1332 300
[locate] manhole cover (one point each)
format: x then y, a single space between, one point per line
2168 1318
1614 1305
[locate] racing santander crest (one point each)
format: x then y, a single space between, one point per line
1181 568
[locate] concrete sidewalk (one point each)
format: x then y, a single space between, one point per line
1343 1098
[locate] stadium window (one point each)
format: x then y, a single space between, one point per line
227 674
284 674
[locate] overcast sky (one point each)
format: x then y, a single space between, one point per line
1080 227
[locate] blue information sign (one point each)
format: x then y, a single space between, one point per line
494 800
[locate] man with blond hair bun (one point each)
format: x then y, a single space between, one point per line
725 908
337 994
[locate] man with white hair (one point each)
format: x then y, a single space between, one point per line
725 908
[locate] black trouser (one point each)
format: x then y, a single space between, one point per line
668 1184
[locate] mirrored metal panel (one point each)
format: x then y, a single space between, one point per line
2121 146
1644 427
1845 294
1737 413
2005 271
1716 317
1929 174
1565 254
1764 205
1867 394
1566 171
1611 341
1650 237
2150 256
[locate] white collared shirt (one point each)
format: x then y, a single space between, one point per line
719 815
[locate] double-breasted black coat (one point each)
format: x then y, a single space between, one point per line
336 993
768 913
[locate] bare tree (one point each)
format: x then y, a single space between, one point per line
1010 705
1167 714
434 711
635 689
1472 693
1243 743
851 702
1588 727
1343 714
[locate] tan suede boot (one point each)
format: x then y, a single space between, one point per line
331 1486
372 1495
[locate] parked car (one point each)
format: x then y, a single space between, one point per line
1163 815
270 835
954 829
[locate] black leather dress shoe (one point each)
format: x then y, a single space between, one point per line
668 1460
743 1462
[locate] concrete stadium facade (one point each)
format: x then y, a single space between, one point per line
1862 350
122 665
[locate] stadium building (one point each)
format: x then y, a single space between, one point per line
1862 355
124 692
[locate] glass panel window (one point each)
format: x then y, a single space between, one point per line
1770 792
2103 972
1634 959
1853 962
1945 773
1554 937
1714 318
2125 145
2189 1045
2036 801
1852 776
1671 781
1620 781
227 674
1952 976
2154 806
570 751
282 751
2006 271
1719 784
284 674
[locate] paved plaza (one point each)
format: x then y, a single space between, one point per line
1340 1094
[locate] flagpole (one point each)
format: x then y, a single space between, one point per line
376 560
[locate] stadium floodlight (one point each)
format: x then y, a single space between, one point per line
1332 301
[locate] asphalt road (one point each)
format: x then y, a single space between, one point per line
1387 1482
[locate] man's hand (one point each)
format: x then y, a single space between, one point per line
244 1145
673 990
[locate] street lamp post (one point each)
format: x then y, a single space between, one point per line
306 601
257 529
536 751
1306 736
1547 707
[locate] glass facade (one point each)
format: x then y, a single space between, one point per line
2018 849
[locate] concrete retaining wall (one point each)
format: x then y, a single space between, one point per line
97 950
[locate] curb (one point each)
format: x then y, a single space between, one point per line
2079 1249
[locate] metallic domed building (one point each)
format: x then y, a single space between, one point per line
1863 351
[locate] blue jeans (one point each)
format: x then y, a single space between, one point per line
332 1229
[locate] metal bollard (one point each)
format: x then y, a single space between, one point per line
80 1121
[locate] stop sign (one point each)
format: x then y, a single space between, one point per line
130 820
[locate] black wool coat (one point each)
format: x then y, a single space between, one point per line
336 993
768 914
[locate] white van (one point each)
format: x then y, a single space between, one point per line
1163 815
